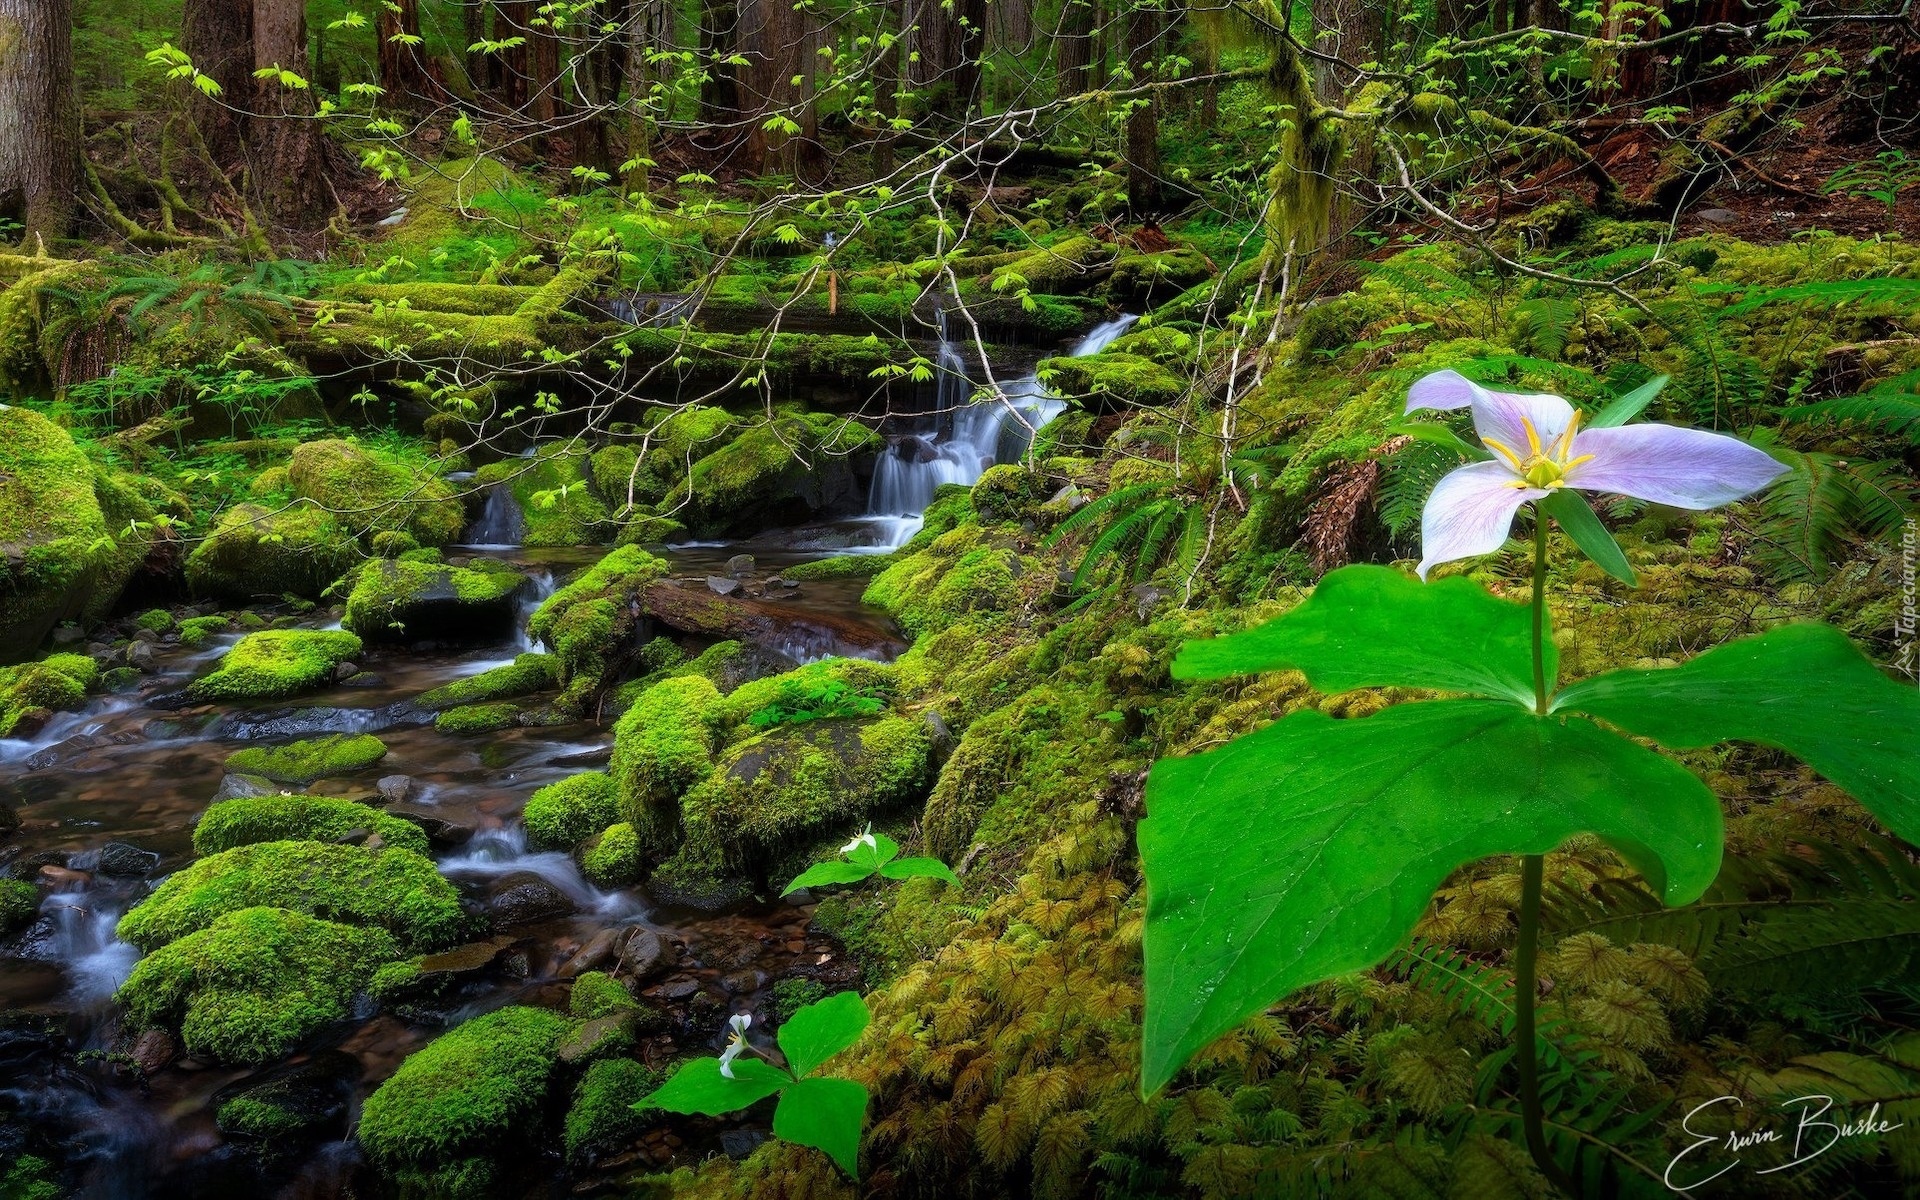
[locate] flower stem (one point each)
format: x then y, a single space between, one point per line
1539 611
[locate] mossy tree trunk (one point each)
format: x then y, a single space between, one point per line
218 36
39 117
1347 30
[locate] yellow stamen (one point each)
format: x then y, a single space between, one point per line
1509 455
1566 439
1533 436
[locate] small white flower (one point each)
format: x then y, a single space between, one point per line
865 839
736 1045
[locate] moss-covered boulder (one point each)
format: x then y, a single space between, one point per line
959 573
32 692
19 905
832 687
562 815
612 859
525 675
776 794
255 551
559 503
275 664
314 758
395 889
602 1117
1069 266
1113 380
648 472
247 820
465 1094
778 472
662 746
402 601
590 623
371 491
1011 493
60 550
1146 279
254 984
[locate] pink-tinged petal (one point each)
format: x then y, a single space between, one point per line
1470 513
1443 389
1503 417
1687 468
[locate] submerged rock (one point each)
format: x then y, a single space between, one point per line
120 859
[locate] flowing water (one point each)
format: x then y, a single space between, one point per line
107 800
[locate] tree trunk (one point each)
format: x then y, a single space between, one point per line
548 98
1145 191
512 19
1347 30
886 85
948 36
39 118
473 26
1073 47
218 36
776 37
287 151
404 71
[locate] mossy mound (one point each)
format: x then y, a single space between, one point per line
255 551
465 1093
662 746
597 994
315 758
558 500
587 622
562 815
19 904
1072 265
1010 493
254 984
778 472
602 1117
613 858
1144 279
833 687
674 442
401 601
198 631
472 720
248 820
59 550
275 664
780 792
526 674
33 691
371 491
1113 379
395 889
961 572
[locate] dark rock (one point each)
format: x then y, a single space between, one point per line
743 982
67 635
346 670
118 858
394 788
677 989
440 831
310 1101
596 1038
646 954
738 1143
29 866
597 950
365 679
140 656
153 1050
722 586
1718 216
798 898
146 635
740 566
233 787
523 898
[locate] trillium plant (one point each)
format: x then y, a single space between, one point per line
815 1110
1311 848
868 855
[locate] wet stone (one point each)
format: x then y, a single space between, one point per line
677 989
233 787
743 982
394 788
646 954
740 566
523 898
153 1050
118 858
738 1143
722 586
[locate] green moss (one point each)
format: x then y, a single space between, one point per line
788 467
673 444
255 983
557 502
1010 493
314 758
254 551
775 794
613 858
250 819
523 676
275 664
598 994
396 889
37 689
662 746
471 720
402 600
470 299
562 815
590 618
466 1092
198 631
1070 266
957 574
59 548
816 687
372 491
602 1117
30 1177
1115 379
19 904
159 620
845 566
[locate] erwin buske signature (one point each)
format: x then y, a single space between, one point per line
1812 1134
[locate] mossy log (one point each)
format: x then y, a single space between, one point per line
760 621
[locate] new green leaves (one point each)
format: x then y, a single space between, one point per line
868 855
821 1112
1310 848
1804 689
1374 627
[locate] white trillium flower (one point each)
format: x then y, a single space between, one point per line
1538 447
737 1044
865 839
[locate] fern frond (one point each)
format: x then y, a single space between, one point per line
1826 293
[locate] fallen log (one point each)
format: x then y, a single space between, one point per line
764 622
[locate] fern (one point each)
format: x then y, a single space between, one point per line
1813 514
1544 323
1827 293
1411 476
1892 407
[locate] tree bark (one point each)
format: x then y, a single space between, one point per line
1348 30
40 137
1146 193
776 37
218 36
511 19
473 26
288 160
949 35
404 71
720 90
886 84
1073 47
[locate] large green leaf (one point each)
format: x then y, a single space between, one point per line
1310 848
1368 626
1804 689
1578 520
823 1029
699 1087
826 1114
927 868
823 874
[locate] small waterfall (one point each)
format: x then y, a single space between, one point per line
539 586
501 522
968 437
492 853
96 961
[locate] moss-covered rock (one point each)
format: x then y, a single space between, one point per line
468 1092
393 888
558 501
1069 266
60 553
959 573
591 621
370 491
777 472
254 984
598 994
311 759
612 859
525 675
471 720
602 1117
275 664
255 551
662 746
198 631
832 687
1144 279
675 442
562 815
399 601
1113 379
247 820
19 905
31 692
1010 493
778 793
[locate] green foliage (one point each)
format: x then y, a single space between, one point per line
19 904
315 758
816 700
275 664
1826 505
868 855
246 820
